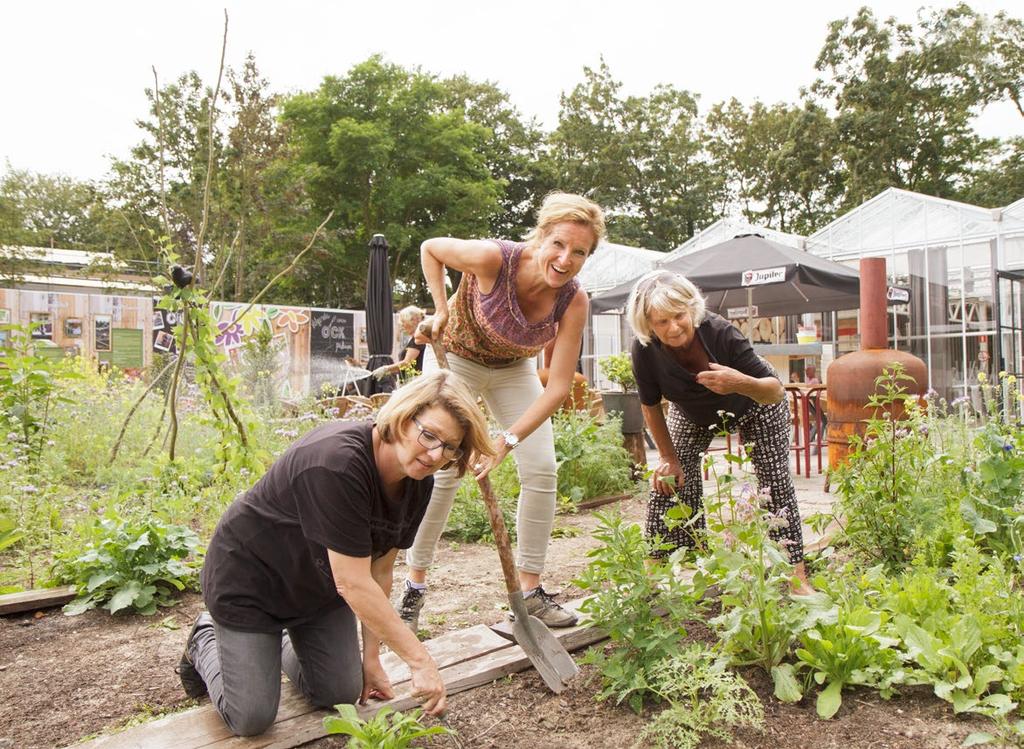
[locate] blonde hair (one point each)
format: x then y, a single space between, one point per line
444 389
665 292
564 206
410 313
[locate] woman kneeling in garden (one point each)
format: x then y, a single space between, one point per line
710 374
311 547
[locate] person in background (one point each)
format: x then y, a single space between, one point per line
709 373
506 308
408 318
310 549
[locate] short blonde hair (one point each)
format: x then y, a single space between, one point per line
665 292
444 389
564 206
410 313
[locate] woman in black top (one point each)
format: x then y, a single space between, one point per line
409 317
311 548
712 378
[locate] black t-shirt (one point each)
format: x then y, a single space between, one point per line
266 566
659 375
411 343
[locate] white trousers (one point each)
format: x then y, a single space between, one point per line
508 392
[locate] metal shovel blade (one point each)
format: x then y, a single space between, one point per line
554 664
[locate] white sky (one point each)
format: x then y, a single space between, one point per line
72 73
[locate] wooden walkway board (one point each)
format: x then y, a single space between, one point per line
467 658
40 598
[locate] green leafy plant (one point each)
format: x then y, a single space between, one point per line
469 521
591 459
887 506
388 729
136 564
759 620
846 647
619 369
639 602
705 699
30 386
10 533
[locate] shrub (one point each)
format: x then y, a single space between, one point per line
619 369
591 459
136 563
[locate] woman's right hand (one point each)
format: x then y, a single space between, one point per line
438 324
428 688
668 476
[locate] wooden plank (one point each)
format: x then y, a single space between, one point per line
590 504
40 598
458 678
203 726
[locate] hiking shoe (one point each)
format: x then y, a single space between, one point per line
541 604
409 607
191 681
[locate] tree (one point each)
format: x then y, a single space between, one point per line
166 171
52 211
383 150
515 152
639 157
1002 181
904 112
779 161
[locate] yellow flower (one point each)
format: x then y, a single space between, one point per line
982 378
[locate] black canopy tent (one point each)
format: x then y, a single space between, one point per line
750 270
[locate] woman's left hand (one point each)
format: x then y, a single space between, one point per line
483 466
376 684
722 380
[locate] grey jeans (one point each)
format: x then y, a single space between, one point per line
242 670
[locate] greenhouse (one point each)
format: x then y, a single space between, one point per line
959 266
963 266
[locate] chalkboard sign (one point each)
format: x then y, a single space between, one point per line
331 341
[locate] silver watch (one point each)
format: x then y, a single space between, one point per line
510 439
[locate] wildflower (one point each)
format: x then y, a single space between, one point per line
1002 374
29 489
1008 447
959 401
777 521
1017 558
982 378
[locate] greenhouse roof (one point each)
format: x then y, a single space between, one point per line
1015 209
897 218
727 228
612 264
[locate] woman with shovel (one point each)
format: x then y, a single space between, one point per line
513 299
310 549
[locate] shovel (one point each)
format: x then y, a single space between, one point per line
546 653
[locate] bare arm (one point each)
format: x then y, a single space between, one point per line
668 462
365 586
726 380
477 256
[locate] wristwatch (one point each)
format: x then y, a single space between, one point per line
510 439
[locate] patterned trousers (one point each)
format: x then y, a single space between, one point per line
765 429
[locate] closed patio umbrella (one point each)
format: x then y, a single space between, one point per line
380 330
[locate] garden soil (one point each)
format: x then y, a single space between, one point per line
63 678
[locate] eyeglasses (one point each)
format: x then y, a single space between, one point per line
430 441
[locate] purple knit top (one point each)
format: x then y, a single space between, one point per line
491 329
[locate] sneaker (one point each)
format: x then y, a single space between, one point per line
541 604
409 608
191 681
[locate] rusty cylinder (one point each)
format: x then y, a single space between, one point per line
851 378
